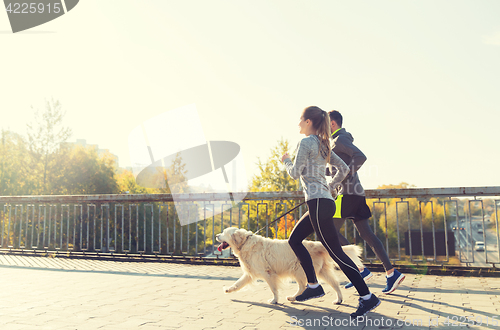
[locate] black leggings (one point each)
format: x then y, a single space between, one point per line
319 219
366 233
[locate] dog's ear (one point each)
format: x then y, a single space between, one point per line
239 237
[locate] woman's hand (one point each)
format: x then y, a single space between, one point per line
285 156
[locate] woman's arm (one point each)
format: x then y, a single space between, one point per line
340 174
295 169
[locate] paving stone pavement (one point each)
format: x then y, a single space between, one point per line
60 293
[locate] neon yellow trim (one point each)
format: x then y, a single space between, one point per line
338 206
338 129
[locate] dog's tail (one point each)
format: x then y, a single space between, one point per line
354 252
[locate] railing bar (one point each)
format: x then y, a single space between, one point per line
496 226
196 231
67 229
445 231
421 230
159 232
160 207
3 224
446 226
168 236
204 233
258 218
213 223
152 230
62 227
468 232
397 226
137 233
484 232
180 230
20 224
409 230
75 224
123 227
55 228
174 233
433 231
50 225
101 238
276 213
286 221
27 226
107 227
82 219
33 227
214 251
187 229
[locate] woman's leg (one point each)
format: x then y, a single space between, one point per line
321 215
302 229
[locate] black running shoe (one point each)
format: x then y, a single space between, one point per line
310 293
365 306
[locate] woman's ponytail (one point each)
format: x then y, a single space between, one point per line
321 122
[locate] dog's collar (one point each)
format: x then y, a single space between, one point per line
246 240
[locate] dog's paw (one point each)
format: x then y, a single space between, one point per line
337 301
291 298
273 301
228 290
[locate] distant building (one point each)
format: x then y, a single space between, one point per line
100 152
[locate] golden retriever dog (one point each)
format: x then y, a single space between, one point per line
273 260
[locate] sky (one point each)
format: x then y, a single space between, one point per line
417 82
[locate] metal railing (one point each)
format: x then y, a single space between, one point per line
437 225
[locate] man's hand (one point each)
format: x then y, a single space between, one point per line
335 189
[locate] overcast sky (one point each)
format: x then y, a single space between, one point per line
418 82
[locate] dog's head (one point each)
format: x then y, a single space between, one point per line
233 237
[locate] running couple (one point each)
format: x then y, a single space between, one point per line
313 154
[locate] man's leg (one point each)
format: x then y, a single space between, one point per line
366 233
338 224
394 277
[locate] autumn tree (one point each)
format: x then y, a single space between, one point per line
82 171
127 184
272 176
45 136
16 177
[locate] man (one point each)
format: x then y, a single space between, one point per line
351 202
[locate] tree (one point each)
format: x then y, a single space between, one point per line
273 176
127 184
45 137
16 177
81 170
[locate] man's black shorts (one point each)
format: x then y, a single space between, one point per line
352 207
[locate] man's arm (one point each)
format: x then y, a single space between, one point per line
339 173
357 157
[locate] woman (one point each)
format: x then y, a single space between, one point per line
313 154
